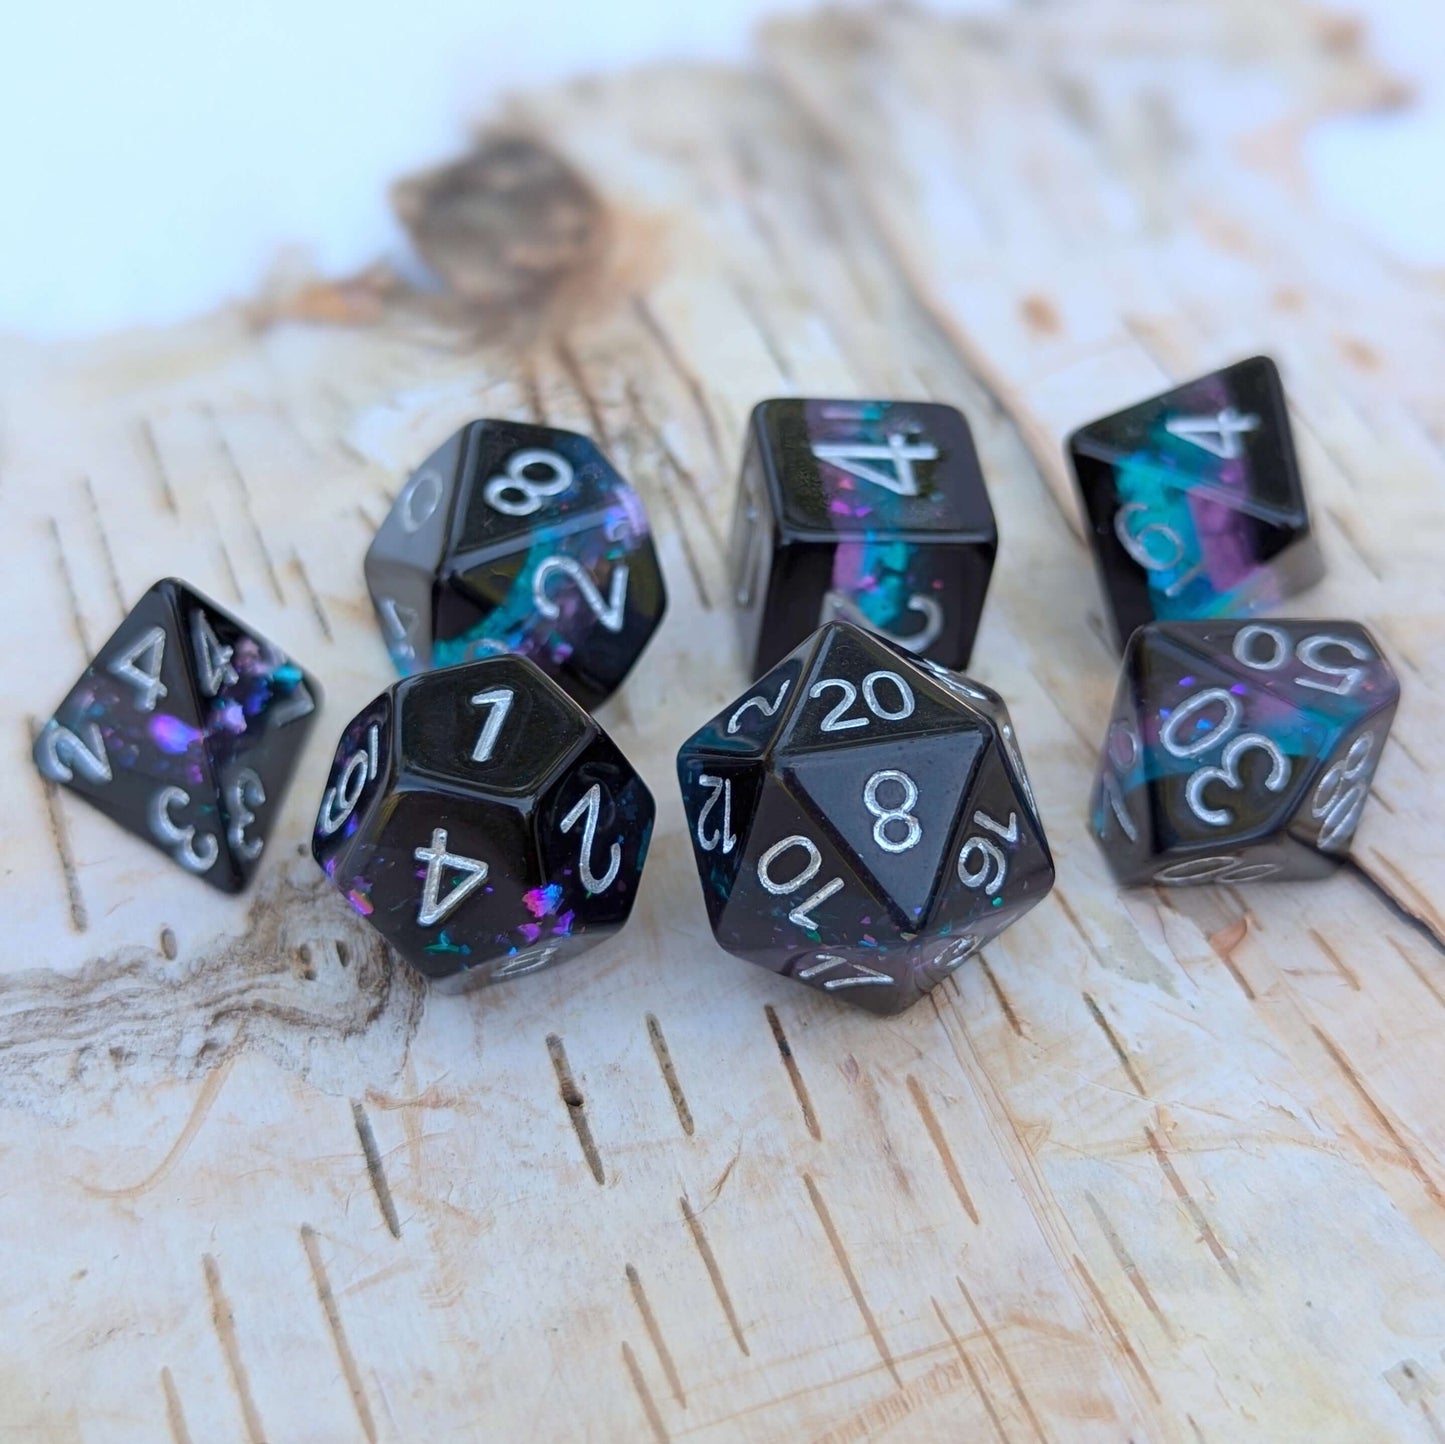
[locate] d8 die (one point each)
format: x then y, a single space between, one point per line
1240 750
185 729
1195 501
521 539
861 821
483 822
872 512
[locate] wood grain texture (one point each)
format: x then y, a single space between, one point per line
1164 1167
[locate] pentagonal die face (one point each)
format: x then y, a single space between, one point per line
873 512
483 823
185 729
1239 751
860 822
1195 501
522 539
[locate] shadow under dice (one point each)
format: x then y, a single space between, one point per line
521 539
483 823
185 729
861 821
1195 501
1239 751
872 512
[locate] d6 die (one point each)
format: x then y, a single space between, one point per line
1240 750
1195 501
185 729
861 821
872 512
522 539
483 822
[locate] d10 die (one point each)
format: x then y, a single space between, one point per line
483 822
872 512
1240 750
862 821
521 539
1195 501
185 729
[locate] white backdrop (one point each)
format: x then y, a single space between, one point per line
157 155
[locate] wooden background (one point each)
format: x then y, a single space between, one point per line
1163 1167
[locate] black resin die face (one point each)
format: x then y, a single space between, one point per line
483 823
1239 751
872 512
185 729
1195 502
861 820
523 539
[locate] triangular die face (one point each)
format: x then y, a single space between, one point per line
517 477
1225 763
720 799
494 726
1224 436
858 690
893 807
747 726
406 553
130 738
796 891
997 865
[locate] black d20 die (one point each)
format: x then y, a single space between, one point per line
1195 501
872 512
520 539
483 823
861 821
1239 751
185 729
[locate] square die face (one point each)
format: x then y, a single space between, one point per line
882 468
1195 500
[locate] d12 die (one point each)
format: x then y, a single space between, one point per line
185 729
872 512
861 821
483 822
1240 750
521 539
1195 501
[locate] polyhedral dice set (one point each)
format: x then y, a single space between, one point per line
860 816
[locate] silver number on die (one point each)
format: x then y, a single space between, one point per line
802 913
590 807
181 840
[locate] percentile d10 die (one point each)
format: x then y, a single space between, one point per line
1240 751
862 821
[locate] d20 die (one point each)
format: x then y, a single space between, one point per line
521 539
862 821
1240 750
483 823
185 729
872 512
1195 501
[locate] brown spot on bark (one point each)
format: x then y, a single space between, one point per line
1040 315
512 229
